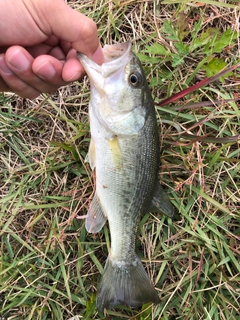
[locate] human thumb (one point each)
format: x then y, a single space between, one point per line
55 17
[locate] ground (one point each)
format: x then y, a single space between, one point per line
49 265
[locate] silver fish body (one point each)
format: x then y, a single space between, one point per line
124 151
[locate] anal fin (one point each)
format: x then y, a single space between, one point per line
95 217
161 203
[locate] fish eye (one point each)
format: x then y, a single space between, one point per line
135 79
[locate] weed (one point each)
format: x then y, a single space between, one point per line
49 265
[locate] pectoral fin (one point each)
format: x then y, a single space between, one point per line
115 151
91 156
95 217
161 203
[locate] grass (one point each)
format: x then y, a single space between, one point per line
49 265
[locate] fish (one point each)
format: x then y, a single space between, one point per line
124 152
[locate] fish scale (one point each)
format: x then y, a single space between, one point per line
124 151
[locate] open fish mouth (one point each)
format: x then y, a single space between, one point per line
115 51
116 56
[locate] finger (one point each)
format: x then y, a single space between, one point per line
49 69
43 48
69 25
52 41
3 85
10 82
72 69
57 49
66 46
47 73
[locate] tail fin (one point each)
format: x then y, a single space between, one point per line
125 283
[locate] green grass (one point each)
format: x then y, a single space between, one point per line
49 265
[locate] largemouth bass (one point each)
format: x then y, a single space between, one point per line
124 151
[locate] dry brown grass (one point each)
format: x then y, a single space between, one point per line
49 265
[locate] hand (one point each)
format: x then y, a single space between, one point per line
38 44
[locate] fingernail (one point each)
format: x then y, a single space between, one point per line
19 61
98 56
3 65
46 70
76 76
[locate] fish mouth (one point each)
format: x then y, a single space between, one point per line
115 56
115 51
106 80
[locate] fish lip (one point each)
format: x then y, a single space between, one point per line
116 56
112 52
